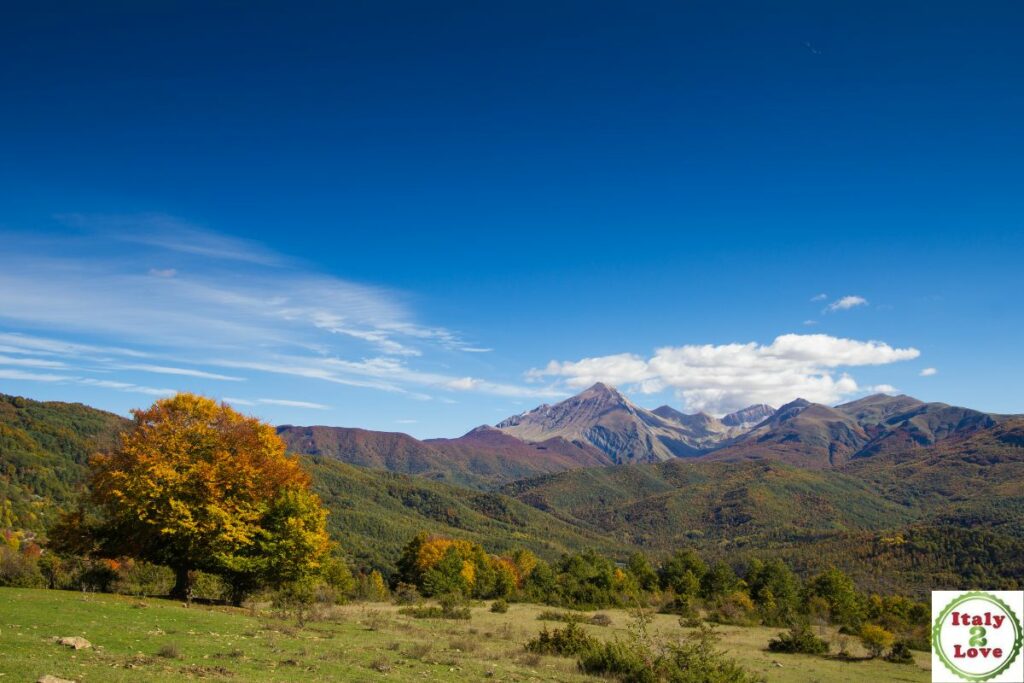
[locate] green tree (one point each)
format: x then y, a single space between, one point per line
775 591
717 581
837 590
447 577
642 572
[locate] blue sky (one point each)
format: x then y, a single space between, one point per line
424 217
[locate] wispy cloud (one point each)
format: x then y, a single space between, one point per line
846 303
720 378
291 404
819 297
125 386
182 301
32 362
928 372
31 376
166 370
173 234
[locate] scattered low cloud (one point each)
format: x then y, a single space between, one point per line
810 323
725 377
928 372
819 297
846 303
883 389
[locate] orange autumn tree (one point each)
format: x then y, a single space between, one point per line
195 485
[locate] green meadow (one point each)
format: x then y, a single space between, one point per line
147 639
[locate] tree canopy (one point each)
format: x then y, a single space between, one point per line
195 485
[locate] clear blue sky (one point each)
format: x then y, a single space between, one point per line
427 216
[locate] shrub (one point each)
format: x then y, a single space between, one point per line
450 608
499 606
567 642
143 578
406 594
799 639
694 661
875 639
735 608
618 659
566 617
169 652
900 654
18 570
601 619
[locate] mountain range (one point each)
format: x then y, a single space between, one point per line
903 494
600 427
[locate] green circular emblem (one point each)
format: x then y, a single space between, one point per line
977 636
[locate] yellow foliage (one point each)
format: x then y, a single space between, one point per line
468 572
195 482
432 550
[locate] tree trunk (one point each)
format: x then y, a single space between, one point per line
183 580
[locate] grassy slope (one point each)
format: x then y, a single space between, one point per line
229 644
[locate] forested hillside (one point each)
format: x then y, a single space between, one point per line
44 450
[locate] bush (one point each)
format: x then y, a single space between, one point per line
625 661
900 654
450 607
566 617
499 606
875 639
694 661
18 570
566 642
600 619
735 608
799 639
143 578
406 594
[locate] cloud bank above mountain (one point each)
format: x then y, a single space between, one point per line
726 377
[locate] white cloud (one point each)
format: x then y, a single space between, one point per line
166 370
125 386
216 303
172 234
846 303
292 404
32 362
883 389
31 376
928 372
720 378
810 323
819 297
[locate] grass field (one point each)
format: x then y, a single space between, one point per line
159 640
